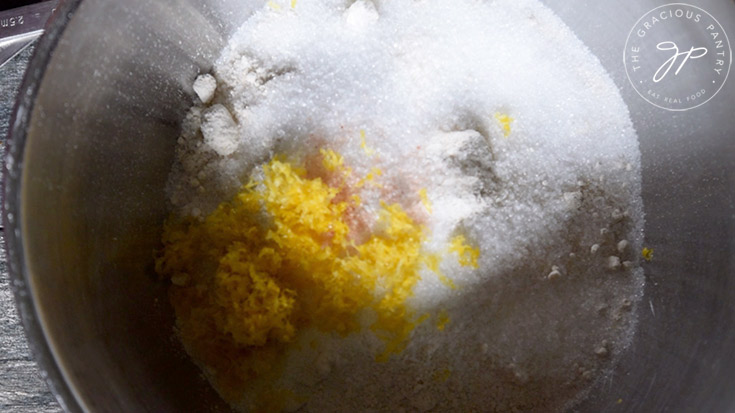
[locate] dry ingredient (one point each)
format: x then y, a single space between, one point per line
405 206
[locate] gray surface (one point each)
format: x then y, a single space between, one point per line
21 387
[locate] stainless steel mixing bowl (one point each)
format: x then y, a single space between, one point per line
93 140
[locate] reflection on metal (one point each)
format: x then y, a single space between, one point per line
19 27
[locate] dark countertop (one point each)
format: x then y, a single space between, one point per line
21 388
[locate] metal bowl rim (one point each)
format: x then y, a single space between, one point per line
50 369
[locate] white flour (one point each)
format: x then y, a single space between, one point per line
418 88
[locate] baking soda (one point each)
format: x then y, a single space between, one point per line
488 119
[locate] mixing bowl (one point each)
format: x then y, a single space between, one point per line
93 139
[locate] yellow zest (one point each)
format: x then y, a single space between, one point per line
273 5
468 256
331 160
293 3
505 122
442 320
370 177
363 144
280 257
432 262
442 375
356 200
425 199
647 254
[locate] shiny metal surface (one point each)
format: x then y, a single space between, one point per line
22 390
93 141
19 27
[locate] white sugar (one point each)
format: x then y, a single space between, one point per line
419 89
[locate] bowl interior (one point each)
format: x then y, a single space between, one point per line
93 143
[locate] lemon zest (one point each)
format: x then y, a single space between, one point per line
363 144
468 256
442 320
331 160
432 262
441 375
425 199
647 254
370 178
505 122
280 257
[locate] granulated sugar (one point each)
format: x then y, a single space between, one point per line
486 119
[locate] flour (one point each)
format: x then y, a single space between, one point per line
205 86
479 130
219 130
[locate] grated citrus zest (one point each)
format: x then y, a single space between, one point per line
425 199
442 375
280 257
505 122
370 178
647 254
432 262
363 144
468 256
442 320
